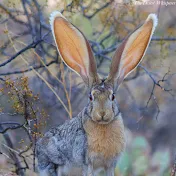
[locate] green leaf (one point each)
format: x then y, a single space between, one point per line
140 142
124 163
161 159
83 24
140 166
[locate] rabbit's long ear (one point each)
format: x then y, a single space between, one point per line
132 50
74 48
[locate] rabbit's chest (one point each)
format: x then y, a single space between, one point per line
105 141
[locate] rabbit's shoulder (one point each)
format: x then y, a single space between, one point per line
66 130
65 142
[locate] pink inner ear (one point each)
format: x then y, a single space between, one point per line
131 51
135 48
130 63
72 46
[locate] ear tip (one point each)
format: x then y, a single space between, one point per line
154 18
54 15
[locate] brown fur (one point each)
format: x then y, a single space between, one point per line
105 140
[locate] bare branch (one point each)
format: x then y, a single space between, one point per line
32 45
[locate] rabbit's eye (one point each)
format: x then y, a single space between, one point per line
113 97
90 97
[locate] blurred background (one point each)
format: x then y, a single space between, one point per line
37 91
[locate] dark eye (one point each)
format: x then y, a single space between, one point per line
113 97
90 97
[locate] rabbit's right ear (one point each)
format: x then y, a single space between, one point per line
131 51
74 48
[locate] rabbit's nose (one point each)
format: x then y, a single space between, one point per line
102 114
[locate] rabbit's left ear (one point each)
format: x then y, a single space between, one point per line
74 48
131 51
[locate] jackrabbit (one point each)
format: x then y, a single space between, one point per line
95 138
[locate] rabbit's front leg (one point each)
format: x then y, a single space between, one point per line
88 171
110 171
50 170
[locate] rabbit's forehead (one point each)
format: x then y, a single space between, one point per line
102 88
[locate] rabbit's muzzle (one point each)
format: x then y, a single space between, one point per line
102 117
102 114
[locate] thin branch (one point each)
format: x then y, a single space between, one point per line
15 126
9 12
169 39
28 69
32 45
154 81
97 10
